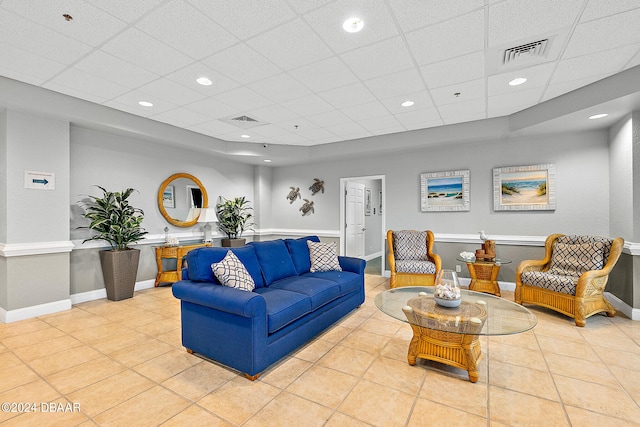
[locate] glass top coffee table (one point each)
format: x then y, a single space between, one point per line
450 335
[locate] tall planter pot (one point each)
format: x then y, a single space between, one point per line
119 269
232 243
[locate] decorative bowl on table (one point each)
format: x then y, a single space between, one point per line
447 292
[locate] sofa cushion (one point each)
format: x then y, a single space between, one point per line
558 283
323 256
199 263
299 252
231 272
573 255
319 291
283 307
410 244
348 281
274 259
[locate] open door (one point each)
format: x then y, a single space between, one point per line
354 219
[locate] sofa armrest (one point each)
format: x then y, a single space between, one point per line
222 298
354 265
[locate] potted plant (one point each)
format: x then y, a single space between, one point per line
233 219
117 222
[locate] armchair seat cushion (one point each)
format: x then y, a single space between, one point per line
415 266
565 284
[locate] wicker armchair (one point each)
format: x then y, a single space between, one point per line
572 276
411 258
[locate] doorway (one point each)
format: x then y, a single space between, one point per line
362 218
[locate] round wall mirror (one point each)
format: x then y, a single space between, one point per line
180 198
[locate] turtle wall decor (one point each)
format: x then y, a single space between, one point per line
293 194
307 207
317 186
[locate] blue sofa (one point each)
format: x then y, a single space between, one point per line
289 306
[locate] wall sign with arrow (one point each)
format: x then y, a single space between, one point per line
40 180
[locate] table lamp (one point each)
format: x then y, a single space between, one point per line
207 215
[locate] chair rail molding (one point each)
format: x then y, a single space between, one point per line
35 248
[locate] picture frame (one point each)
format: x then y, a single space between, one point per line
525 188
445 191
380 202
168 197
367 202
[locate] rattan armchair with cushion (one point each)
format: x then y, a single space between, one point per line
572 276
411 258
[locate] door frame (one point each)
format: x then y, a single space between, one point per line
343 187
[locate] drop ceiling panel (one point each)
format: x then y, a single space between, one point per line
414 14
382 58
366 111
455 70
348 96
15 62
303 6
538 75
108 67
558 89
388 123
127 10
89 83
291 45
73 91
272 114
329 118
181 117
601 63
242 64
144 51
464 110
520 19
475 89
415 117
233 15
600 8
188 30
455 37
243 98
396 84
506 103
280 88
351 130
131 99
187 76
327 22
213 108
323 75
171 91
421 100
308 105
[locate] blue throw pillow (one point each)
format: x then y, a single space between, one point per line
199 263
299 252
274 259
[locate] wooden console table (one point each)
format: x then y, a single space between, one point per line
173 252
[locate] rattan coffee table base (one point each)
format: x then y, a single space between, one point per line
457 350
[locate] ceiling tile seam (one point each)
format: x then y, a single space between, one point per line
626 64
563 49
622 12
486 74
442 21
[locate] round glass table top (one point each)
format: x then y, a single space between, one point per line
497 261
478 313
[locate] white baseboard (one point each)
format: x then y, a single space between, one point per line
102 293
618 304
34 311
372 256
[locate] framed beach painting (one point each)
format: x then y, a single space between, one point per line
168 198
444 191
524 188
367 202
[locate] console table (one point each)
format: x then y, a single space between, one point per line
173 252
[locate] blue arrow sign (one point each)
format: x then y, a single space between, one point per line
40 181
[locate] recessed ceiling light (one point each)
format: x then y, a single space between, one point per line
353 25
267 160
598 116
407 103
518 81
245 136
204 81
146 103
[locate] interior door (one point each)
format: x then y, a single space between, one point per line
354 218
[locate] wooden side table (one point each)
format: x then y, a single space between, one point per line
173 252
484 275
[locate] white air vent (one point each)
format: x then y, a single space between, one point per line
244 122
529 50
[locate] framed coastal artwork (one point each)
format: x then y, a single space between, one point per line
444 191
168 197
525 188
367 202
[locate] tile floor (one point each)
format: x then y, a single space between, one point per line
123 364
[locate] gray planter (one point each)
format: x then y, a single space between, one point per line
119 269
232 243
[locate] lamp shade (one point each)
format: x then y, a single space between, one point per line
208 215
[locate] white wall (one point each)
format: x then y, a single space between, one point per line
621 179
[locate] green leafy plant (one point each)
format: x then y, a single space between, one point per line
234 216
113 219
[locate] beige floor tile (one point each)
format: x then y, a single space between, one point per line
517 356
239 399
125 339
166 365
80 376
160 327
527 340
523 380
149 408
109 392
597 398
366 341
426 412
623 359
15 375
100 333
335 334
575 349
314 350
323 385
74 320
65 359
396 348
348 360
630 381
199 380
584 418
37 336
195 415
381 327
22 327
397 374
8 359
613 339
591 371
172 337
285 372
514 408
47 348
341 420
35 392
142 351
289 410
439 388
378 405
141 318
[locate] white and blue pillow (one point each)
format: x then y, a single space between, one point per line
232 273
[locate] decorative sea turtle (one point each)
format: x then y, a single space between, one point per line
307 207
317 186
293 194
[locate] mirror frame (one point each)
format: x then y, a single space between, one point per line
163 211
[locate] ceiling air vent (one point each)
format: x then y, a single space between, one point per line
245 119
528 50
244 122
